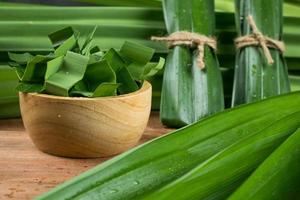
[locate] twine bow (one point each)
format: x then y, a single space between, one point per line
258 39
190 39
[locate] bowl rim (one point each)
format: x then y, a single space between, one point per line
145 87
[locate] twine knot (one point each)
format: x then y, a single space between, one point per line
190 39
258 39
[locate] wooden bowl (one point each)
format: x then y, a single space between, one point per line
86 127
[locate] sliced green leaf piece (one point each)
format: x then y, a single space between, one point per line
59 37
153 68
53 66
114 59
127 82
20 58
30 87
70 72
36 69
98 73
136 53
87 43
106 89
68 45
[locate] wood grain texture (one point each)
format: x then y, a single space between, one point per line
26 172
86 127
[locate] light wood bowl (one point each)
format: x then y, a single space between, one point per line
86 127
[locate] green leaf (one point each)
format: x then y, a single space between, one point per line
106 89
151 166
127 82
53 66
278 177
20 58
30 87
87 43
153 68
114 59
68 45
36 69
136 53
59 37
70 72
98 73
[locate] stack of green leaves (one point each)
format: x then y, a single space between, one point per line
190 93
255 78
77 68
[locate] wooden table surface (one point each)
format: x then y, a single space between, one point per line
25 172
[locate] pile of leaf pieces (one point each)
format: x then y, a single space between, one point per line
77 68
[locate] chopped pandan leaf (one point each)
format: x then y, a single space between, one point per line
128 84
136 70
30 87
36 69
106 89
69 45
153 68
20 58
53 66
137 53
20 69
98 73
64 40
103 90
114 59
59 37
30 68
77 69
95 49
70 72
136 56
87 43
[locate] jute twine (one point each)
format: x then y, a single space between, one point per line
258 39
191 40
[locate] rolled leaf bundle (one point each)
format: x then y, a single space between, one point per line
260 71
189 92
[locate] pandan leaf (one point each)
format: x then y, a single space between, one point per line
86 46
98 73
68 45
36 69
127 82
19 69
117 63
136 56
114 59
70 72
153 68
278 177
106 89
59 37
77 69
103 90
30 68
149 167
20 58
30 87
53 66
255 78
136 53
